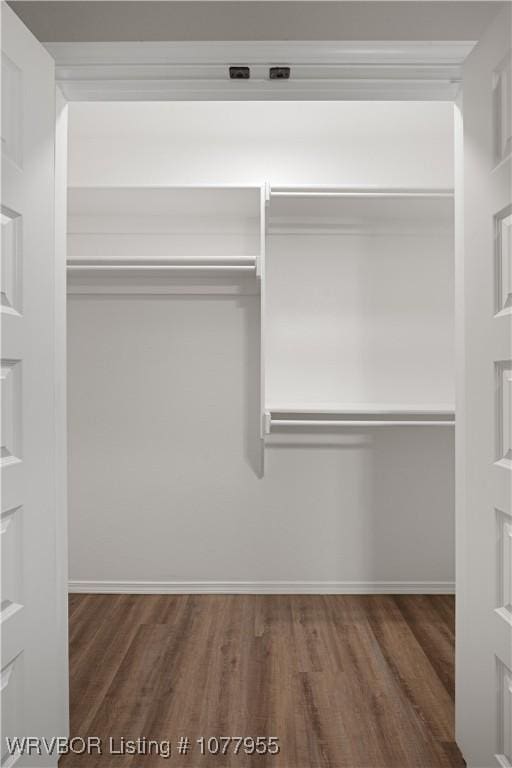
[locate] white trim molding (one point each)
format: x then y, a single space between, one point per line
264 587
200 70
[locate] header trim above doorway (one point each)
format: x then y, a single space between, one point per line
199 71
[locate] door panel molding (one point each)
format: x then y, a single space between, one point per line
484 405
34 677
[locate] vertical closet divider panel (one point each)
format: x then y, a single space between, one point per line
264 206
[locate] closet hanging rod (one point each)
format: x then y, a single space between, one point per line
360 192
359 423
414 411
161 267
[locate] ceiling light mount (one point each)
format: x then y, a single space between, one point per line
239 72
279 73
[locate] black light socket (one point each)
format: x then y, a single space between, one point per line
279 73
239 73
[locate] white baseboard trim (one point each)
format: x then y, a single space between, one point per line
265 587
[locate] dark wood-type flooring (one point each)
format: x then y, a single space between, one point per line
342 681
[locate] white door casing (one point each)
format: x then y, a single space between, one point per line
33 675
484 407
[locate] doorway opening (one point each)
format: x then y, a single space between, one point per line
261 402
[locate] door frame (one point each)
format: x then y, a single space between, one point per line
322 70
60 421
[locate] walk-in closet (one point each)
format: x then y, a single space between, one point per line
261 346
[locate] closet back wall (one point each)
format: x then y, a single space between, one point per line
164 390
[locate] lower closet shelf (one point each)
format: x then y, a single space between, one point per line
358 415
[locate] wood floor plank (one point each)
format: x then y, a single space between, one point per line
408 662
342 681
95 660
383 706
428 622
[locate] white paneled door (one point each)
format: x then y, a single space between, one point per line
33 691
484 441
